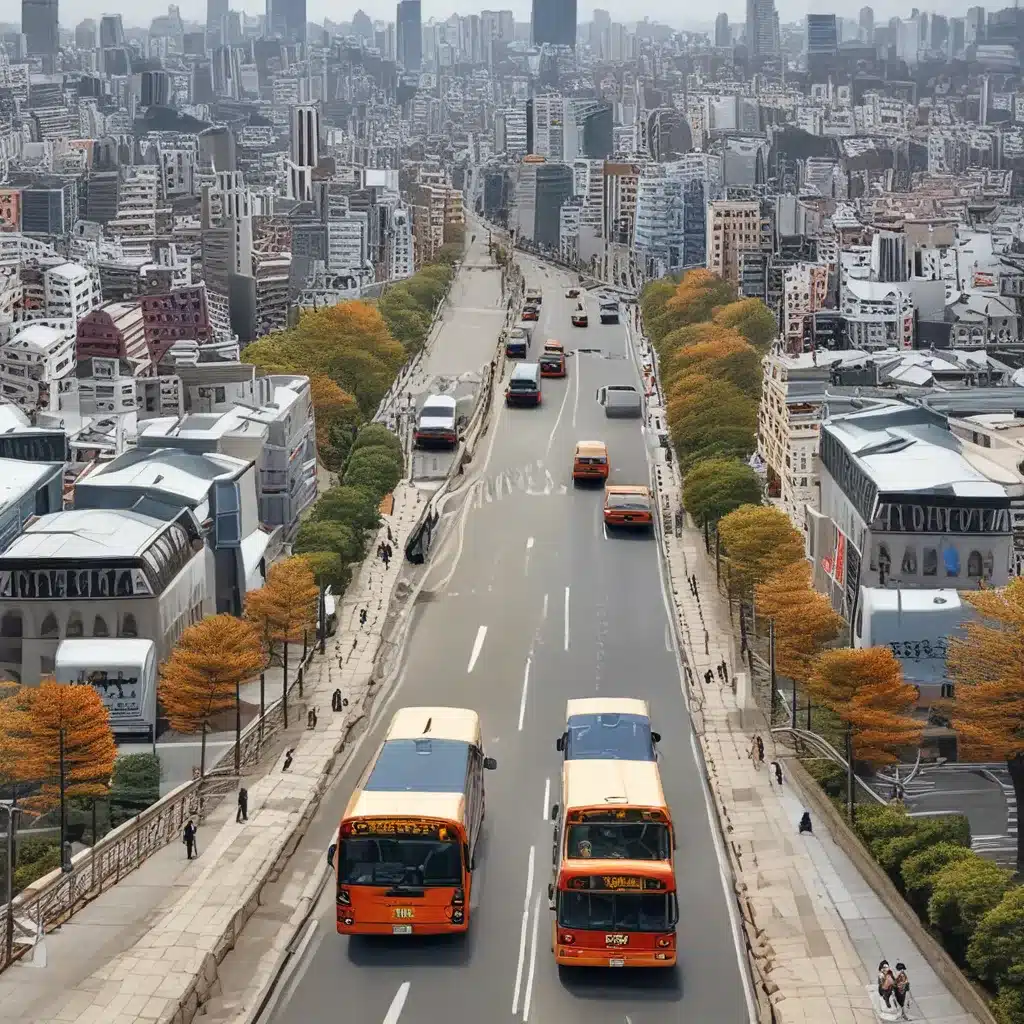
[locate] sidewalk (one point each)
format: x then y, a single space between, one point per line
148 948
818 929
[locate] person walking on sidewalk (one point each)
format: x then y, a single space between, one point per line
243 805
385 555
188 837
901 988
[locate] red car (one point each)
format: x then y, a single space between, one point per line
531 313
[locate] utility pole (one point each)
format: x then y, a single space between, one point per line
849 772
12 823
63 802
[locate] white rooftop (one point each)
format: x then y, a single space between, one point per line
86 534
169 470
38 337
17 478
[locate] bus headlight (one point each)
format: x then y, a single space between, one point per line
344 899
348 920
458 898
456 916
665 941
567 938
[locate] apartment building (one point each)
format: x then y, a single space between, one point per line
33 362
735 227
804 291
115 330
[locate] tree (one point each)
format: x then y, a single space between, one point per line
376 468
727 357
67 745
284 608
804 621
986 664
759 540
329 569
134 786
698 293
715 487
919 869
1009 1005
373 435
710 418
356 507
752 318
322 535
331 407
865 688
964 891
409 325
996 950
652 301
210 661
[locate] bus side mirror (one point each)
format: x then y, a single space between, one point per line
656 736
551 891
490 763
554 812
560 744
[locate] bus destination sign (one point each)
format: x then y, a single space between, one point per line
617 883
609 816
403 827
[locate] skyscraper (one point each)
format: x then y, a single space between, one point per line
867 25
410 35
285 20
762 37
305 151
554 21
722 34
39 27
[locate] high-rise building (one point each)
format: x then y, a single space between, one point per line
39 27
305 151
722 33
762 29
286 20
111 31
974 31
216 12
554 22
410 35
867 25
85 35
822 37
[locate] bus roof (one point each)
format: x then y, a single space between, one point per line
367 804
659 869
607 706
612 784
435 723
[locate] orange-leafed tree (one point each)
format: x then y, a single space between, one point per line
726 356
864 687
804 621
12 733
986 664
710 418
285 608
65 745
759 541
201 678
752 318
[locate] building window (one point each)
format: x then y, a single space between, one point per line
931 562
99 626
49 628
946 691
884 564
75 627
974 565
908 567
129 627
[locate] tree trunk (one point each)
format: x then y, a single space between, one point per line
238 727
202 754
63 808
284 690
1015 766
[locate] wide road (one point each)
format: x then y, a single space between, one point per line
530 603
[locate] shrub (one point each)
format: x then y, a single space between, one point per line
996 950
875 822
36 857
714 487
376 468
134 786
922 833
919 869
828 774
963 892
375 435
1009 1005
356 507
329 570
338 538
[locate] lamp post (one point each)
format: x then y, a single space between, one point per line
12 823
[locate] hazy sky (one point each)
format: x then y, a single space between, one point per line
667 11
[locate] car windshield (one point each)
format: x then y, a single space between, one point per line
607 736
634 912
637 502
641 840
400 861
436 412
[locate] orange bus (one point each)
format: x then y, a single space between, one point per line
614 894
407 841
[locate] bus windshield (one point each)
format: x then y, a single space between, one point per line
609 736
398 861
628 911
635 841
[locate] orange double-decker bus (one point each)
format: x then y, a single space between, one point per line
407 841
614 894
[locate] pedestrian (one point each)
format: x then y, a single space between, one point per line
336 700
390 537
707 642
777 768
362 616
760 749
718 669
380 550
386 556
725 670
288 755
901 987
805 823
886 983
243 805
752 753
388 548
188 837
709 677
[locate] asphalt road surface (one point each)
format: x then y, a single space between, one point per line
527 604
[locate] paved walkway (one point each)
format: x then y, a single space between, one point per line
821 929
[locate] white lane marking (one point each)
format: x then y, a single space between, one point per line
522 700
576 399
544 610
477 645
529 543
533 962
668 640
547 800
566 636
558 419
604 527
522 932
397 1004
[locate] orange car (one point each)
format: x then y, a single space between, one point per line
590 461
629 505
552 360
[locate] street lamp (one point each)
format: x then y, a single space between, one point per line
13 811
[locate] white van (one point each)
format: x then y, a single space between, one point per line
435 425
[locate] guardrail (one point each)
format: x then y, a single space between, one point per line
821 746
53 899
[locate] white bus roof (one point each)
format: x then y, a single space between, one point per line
612 784
607 706
437 723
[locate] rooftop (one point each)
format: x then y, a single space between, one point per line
85 533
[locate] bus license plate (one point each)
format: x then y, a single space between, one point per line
401 929
616 963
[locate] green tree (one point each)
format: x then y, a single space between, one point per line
1009 1005
355 507
759 540
714 487
329 570
752 318
323 535
963 892
922 834
376 434
710 418
134 786
375 468
919 869
727 357
996 950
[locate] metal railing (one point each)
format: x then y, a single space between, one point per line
54 898
823 748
